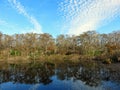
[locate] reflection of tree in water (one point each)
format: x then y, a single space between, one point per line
87 75
38 73
42 73
91 76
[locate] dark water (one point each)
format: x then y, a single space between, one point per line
47 76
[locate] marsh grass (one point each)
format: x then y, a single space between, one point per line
54 59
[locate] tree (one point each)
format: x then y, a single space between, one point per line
46 43
89 42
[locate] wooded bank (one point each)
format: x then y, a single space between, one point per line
33 46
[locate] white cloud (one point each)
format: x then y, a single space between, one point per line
85 15
20 8
5 23
2 22
6 26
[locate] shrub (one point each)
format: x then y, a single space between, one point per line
107 61
15 52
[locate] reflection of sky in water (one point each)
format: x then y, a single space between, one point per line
47 77
60 85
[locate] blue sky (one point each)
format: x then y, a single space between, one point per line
59 16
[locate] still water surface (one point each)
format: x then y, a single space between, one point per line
47 76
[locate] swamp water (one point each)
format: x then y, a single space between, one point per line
48 76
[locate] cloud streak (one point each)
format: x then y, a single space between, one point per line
2 22
7 26
86 15
20 8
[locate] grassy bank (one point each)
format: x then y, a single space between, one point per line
57 58
85 60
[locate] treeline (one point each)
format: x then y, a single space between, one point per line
33 45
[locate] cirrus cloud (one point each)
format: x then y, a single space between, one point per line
20 8
86 15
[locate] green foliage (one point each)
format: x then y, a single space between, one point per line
97 53
15 52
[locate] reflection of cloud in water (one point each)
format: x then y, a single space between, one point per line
34 87
63 77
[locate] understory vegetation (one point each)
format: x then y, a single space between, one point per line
87 46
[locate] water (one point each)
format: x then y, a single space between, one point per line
48 76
